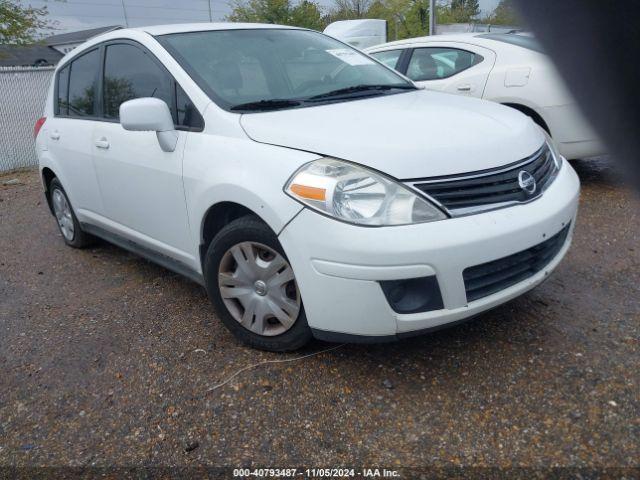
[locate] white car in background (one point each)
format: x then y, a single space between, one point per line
507 68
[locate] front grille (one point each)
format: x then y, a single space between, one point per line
485 190
491 277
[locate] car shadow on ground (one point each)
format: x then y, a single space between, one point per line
598 171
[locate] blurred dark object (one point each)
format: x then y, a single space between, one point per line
594 44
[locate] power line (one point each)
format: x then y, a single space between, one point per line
124 12
116 4
137 6
132 6
129 17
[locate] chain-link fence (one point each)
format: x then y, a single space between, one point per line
23 91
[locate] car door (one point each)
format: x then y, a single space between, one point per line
450 67
70 131
140 184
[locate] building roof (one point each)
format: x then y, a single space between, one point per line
79 36
28 55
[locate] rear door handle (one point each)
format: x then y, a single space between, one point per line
465 88
102 143
55 135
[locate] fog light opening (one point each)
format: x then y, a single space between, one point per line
413 295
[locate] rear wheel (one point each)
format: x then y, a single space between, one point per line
67 222
253 288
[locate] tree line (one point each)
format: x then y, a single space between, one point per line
21 24
406 18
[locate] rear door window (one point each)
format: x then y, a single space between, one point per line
83 85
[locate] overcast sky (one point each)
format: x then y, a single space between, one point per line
71 15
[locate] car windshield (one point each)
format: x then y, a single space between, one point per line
266 69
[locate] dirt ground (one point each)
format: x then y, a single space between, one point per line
107 359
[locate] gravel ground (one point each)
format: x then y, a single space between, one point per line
107 359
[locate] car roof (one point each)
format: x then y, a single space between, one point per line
475 38
200 27
138 33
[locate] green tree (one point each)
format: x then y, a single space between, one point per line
83 104
412 18
351 9
504 14
305 14
19 25
116 91
463 11
405 18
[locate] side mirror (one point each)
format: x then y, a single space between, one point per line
150 114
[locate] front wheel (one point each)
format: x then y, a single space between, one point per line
253 288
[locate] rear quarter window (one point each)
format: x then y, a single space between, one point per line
62 92
388 57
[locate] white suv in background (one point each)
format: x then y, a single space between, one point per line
310 189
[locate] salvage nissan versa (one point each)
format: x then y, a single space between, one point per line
313 191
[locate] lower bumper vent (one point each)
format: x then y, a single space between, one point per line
491 277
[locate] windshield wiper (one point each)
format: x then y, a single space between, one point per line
360 88
264 105
278 103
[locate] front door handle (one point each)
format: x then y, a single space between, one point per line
55 135
465 88
102 143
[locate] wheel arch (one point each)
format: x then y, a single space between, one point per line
47 176
213 207
51 168
217 217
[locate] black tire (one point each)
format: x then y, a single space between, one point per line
80 239
249 229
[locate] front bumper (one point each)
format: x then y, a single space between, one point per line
338 266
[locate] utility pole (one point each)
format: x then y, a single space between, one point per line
432 17
124 11
210 17
398 18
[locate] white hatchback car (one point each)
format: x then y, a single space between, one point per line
310 189
507 68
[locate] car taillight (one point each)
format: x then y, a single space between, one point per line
38 126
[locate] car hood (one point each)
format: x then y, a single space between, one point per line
407 135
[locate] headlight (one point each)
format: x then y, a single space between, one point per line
358 195
557 158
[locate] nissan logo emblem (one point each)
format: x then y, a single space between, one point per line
527 182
